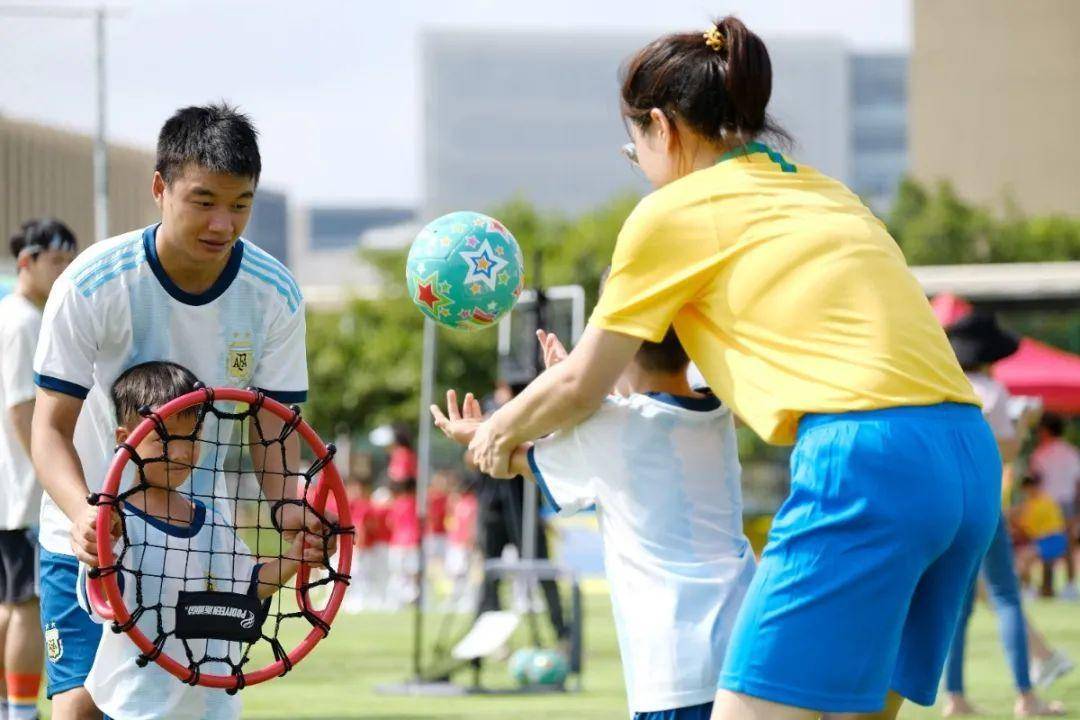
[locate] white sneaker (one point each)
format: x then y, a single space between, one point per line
1045 673
1070 592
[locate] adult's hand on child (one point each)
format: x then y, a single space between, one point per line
458 425
309 549
554 351
84 535
293 517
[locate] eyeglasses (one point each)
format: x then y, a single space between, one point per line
629 151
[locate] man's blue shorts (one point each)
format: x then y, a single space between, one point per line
71 637
869 559
694 712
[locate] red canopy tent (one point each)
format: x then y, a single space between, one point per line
1035 369
1044 371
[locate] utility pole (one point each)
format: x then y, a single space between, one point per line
99 14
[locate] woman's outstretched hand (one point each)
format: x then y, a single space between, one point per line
458 425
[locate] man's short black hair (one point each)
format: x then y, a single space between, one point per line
666 356
218 138
41 234
149 384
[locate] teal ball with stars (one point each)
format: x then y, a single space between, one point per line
465 271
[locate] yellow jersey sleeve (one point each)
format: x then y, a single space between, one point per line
661 262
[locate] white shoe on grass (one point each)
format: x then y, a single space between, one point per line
1044 673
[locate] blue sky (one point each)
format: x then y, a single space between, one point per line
332 84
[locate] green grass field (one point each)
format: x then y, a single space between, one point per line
338 680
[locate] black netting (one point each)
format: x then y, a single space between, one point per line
239 465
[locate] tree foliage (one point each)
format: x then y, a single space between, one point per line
364 361
936 227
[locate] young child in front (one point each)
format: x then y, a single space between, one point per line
660 463
177 543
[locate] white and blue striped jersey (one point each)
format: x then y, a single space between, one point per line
115 307
663 472
205 555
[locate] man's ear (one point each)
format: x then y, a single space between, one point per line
157 189
122 434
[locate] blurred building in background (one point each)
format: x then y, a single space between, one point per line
536 115
268 226
335 228
995 97
325 244
45 171
879 155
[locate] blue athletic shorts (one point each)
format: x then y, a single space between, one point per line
71 637
863 579
1052 547
694 712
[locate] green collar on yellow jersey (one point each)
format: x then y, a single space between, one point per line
757 147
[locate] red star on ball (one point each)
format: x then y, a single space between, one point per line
427 295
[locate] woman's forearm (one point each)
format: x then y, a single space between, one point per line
552 400
570 391
563 395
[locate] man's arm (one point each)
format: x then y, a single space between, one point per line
21 416
59 471
268 460
271 470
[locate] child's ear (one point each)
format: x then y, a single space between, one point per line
121 434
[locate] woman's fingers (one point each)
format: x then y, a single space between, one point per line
470 408
441 421
452 406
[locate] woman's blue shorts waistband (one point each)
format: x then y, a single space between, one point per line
941 412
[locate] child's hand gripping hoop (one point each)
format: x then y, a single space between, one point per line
224 626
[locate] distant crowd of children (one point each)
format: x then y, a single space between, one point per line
386 560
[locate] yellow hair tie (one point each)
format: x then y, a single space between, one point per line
714 39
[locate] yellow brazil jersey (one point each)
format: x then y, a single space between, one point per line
786 291
1040 516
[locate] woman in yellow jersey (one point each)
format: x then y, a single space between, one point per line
799 310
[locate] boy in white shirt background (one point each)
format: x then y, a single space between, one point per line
660 463
42 248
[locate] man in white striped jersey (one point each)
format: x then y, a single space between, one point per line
189 290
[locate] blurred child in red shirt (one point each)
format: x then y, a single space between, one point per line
461 550
438 496
404 550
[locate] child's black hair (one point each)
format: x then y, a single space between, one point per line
1053 424
1030 480
666 356
149 384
